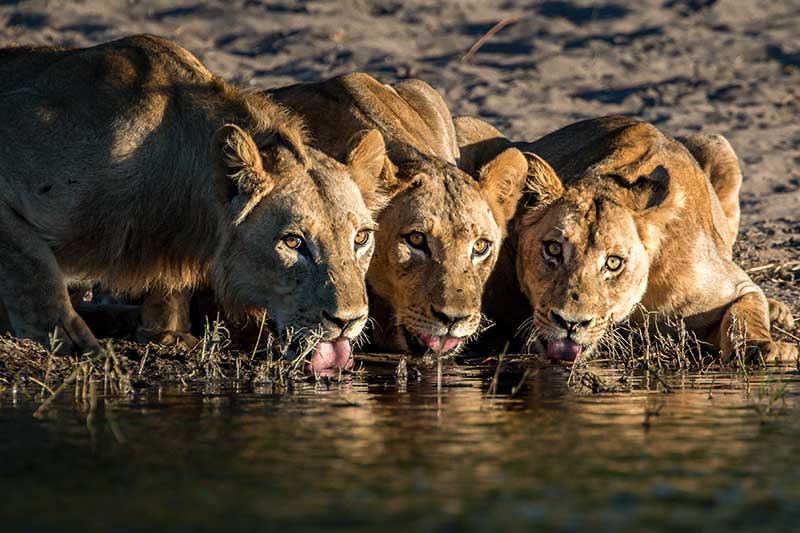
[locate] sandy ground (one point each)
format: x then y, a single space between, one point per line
725 66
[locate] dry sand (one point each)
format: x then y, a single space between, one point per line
724 66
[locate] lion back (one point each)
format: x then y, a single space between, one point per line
410 115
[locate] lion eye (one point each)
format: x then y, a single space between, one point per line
416 239
293 241
614 262
481 247
362 237
552 249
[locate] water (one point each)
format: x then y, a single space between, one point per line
713 454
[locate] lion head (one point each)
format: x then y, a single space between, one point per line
584 252
300 238
437 243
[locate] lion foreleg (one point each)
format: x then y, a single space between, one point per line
165 318
745 332
34 292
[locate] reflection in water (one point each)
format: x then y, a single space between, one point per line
370 453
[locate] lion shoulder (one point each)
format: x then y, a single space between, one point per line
410 114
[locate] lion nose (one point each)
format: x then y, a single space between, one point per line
448 319
570 324
343 321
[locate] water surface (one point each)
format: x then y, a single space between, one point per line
716 452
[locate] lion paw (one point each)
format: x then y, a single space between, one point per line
73 337
184 340
780 314
770 352
65 346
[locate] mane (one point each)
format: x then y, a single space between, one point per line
155 220
270 122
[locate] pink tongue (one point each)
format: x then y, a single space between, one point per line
439 344
563 349
329 357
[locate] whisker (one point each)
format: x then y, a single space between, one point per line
360 340
535 334
525 327
484 324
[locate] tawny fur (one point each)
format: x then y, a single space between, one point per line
435 291
618 186
131 165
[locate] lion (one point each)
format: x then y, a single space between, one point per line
439 237
617 214
129 164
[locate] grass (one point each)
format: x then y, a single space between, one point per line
123 366
657 348
645 343
116 381
661 347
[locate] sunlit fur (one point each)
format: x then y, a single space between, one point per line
591 223
299 288
130 164
446 206
617 186
430 194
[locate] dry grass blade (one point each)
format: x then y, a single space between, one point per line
488 35
518 387
788 334
144 360
41 384
496 378
775 267
72 377
260 331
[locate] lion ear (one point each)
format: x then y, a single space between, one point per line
651 190
501 181
659 204
366 159
543 186
241 180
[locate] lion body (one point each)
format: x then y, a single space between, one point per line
131 165
619 187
